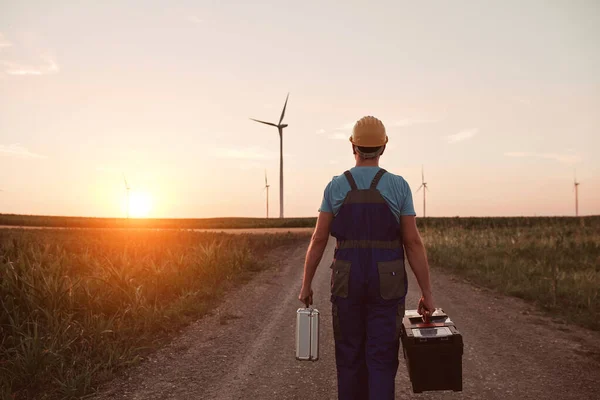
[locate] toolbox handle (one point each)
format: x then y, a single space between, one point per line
426 312
426 317
430 325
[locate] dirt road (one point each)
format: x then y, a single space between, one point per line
245 350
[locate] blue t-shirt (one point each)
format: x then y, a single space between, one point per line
393 188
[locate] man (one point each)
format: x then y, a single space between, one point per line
370 213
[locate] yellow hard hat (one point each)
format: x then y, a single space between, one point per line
369 132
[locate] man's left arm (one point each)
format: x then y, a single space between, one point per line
314 254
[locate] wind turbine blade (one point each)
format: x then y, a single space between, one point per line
266 183
125 180
284 106
422 174
263 122
419 189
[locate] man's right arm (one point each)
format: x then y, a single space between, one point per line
417 258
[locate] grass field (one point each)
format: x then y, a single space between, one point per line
78 305
552 262
248 223
154 223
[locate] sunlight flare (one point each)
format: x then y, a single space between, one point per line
140 204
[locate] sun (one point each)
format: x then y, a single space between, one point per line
140 204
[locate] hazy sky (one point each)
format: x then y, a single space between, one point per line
500 101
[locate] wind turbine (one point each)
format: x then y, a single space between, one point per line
576 188
267 188
424 187
127 188
279 127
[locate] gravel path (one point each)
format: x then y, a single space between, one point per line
245 349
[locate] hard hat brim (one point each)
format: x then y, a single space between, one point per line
369 144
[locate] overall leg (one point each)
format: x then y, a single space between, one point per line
349 333
383 319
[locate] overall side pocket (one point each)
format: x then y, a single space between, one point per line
391 279
340 278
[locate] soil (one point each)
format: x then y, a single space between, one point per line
245 348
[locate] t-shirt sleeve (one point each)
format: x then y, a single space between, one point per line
407 207
326 205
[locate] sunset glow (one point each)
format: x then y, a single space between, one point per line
497 102
140 204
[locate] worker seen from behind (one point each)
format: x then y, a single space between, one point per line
370 212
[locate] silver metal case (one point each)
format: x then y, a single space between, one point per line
307 334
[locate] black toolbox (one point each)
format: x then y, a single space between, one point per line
433 351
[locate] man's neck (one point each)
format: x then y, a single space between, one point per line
367 163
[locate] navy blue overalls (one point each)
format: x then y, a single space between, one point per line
368 286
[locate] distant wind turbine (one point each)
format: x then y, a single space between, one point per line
424 187
127 188
279 127
267 189
576 188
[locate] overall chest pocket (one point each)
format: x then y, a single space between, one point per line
340 278
391 279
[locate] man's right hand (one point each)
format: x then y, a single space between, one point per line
426 306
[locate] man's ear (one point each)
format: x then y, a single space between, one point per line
383 151
353 149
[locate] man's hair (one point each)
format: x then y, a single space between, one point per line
368 152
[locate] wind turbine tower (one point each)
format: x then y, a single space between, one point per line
424 187
127 188
576 188
267 188
279 127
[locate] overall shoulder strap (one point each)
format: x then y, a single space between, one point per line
377 178
351 180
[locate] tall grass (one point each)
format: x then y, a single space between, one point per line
554 263
78 305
